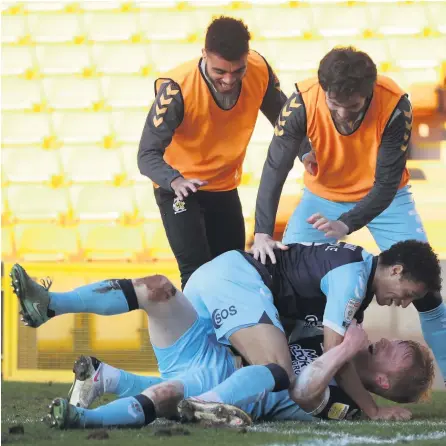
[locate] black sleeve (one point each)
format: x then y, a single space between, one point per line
339 406
274 98
289 133
164 117
390 165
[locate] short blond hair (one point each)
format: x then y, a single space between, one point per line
413 383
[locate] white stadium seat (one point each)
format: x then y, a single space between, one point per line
25 128
54 27
16 60
168 25
63 58
14 27
91 164
20 164
120 58
337 20
128 125
77 127
20 94
128 90
69 92
165 56
110 26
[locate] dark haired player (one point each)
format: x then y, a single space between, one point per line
195 139
237 301
359 124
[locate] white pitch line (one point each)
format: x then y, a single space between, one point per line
343 439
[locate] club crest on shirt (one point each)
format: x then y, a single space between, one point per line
179 206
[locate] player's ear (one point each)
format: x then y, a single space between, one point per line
203 53
396 270
382 381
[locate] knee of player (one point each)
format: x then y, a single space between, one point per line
282 379
156 288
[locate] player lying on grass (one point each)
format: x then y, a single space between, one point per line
254 308
399 370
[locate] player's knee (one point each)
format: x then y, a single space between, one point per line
156 288
280 375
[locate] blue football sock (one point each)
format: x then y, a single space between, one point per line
121 412
245 386
433 325
131 385
104 298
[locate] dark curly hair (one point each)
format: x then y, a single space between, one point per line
227 37
419 262
345 71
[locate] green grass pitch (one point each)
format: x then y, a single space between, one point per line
24 404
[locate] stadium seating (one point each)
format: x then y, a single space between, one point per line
79 78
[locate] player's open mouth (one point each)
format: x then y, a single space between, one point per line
371 349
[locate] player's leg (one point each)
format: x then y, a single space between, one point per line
244 316
399 222
158 401
299 230
185 228
225 226
93 378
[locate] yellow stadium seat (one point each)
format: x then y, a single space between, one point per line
46 242
44 7
63 58
168 24
57 334
8 251
30 165
145 201
16 60
414 52
53 27
128 125
14 27
157 244
94 5
129 154
112 242
105 337
128 91
110 26
102 202
25 128
263 131
76 127
387 18
20 94
167 55
71 92
91 164
109 57
339 20
37 202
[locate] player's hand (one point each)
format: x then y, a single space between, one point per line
263 246
355 338
310 163
332 228
394 413
182 187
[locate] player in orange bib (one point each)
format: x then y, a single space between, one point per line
359 126
195 139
